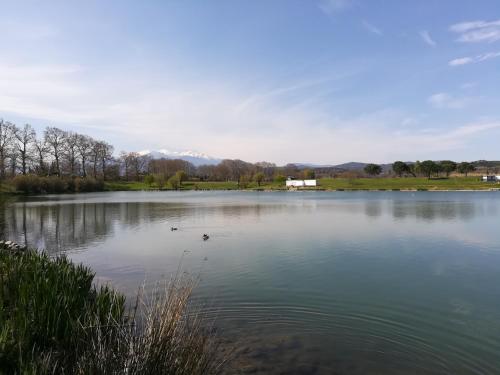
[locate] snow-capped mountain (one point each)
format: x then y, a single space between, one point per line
196 158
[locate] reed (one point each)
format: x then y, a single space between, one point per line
53 319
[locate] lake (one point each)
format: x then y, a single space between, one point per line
303 282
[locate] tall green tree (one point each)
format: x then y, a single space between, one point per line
428 168
465 168
448 167
400 168
373 169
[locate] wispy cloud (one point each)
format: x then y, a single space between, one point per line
333 6
468 85
471 129
220 120
443 100
477 31
21 30
426 37
371 28
474 59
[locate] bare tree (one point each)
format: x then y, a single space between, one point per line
71 151
125 160
13 155
7 131
54 138
106 154
40 148
95 148
84 146
168 167
25 137
134 164
101 153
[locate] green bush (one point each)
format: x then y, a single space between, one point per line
31 184
280 179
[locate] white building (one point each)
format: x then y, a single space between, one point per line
310 182
300 183
491 178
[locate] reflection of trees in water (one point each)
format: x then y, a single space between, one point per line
429 210
434 210
74 225
59 227
373 208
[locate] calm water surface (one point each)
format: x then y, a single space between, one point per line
305 283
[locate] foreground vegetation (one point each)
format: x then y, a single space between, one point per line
53 319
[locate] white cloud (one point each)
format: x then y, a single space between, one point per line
477 31
443 100
474 59
468 85
426 37
218 120
333 6
461 61
371 28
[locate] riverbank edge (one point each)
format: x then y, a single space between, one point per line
370 185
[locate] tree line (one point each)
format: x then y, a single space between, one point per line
427 168
55 152
68 154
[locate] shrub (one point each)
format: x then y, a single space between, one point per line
28 184
149 179
31 184
244 181
160 179
174 182
88 184
280 179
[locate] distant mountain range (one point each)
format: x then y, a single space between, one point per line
196 158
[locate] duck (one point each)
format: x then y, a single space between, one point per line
205 237
173 228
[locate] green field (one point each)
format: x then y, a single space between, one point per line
351 184
409 183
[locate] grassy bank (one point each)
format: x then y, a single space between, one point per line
53 319
29 185
410 183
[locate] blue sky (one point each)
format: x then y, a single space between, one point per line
323 81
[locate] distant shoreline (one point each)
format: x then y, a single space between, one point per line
380 184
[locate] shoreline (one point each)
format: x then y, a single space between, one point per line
458 184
